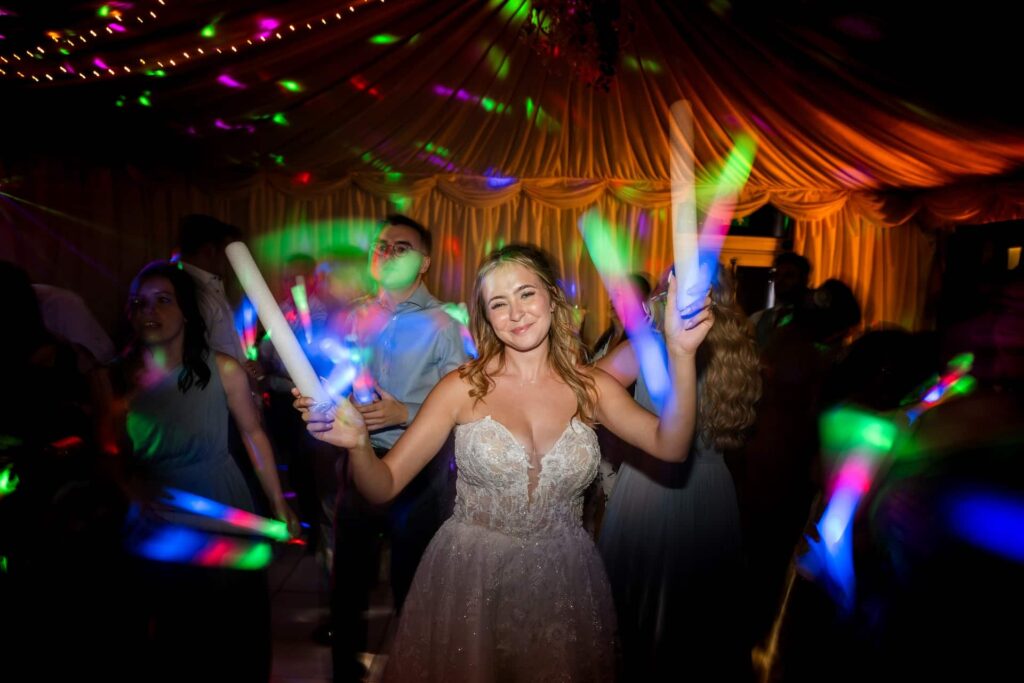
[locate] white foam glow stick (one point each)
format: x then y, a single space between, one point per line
287 346
684 204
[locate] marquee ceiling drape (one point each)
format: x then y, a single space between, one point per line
441 109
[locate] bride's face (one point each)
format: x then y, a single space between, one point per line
518 306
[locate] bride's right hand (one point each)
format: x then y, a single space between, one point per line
343 426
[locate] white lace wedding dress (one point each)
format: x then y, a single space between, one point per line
511 587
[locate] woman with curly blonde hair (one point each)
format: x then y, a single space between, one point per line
671 534
511 587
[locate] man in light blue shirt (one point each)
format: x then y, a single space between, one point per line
413 343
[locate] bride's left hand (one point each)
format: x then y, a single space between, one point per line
686 329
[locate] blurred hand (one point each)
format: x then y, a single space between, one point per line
387 411
342 426
288 516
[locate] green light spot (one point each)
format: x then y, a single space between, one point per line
542 119
256 557
103 11
8 481
394 176
401 202
963 362
497 59
156 73
608 248
457 312
144 101
631 62
280 119
963 386
384 39
278 159
367 157
209 31
512 10
64 51
487 103
429 147
651 65
846 429
290 86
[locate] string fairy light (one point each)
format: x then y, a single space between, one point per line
67 40
63 73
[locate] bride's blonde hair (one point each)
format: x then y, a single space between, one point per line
565 350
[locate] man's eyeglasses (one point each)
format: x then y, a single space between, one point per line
393 248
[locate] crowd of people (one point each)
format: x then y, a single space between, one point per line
543 518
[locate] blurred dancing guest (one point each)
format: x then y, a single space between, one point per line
671 534
411 343
177 395
201 241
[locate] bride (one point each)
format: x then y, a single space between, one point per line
512 588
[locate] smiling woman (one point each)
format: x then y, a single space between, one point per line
511 586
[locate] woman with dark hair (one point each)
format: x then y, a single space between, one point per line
671 534
511 587
179 394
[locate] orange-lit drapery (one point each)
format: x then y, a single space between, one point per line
455 121
888 267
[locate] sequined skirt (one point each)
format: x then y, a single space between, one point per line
488 607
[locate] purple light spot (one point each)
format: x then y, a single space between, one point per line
228 81
220 124
100 63
643 226
268 24
494 179
442 91
463 95
761 123
116 27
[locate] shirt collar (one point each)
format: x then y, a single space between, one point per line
420 298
